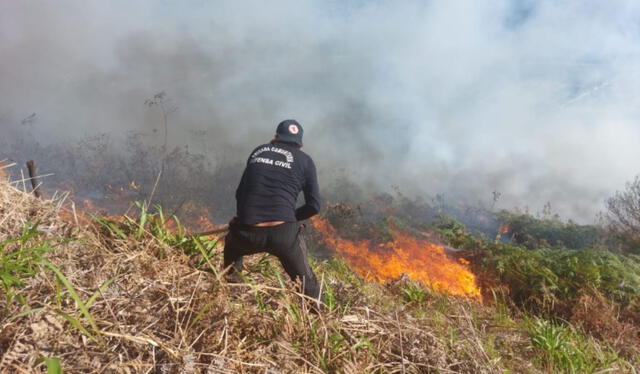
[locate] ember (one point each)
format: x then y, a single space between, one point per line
421 260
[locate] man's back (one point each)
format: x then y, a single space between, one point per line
272 180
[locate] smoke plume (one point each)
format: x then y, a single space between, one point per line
536 99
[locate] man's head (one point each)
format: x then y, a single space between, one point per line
290 131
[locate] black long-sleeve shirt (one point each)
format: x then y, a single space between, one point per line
272 180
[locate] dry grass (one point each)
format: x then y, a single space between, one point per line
148 309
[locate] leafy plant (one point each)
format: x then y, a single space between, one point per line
545 277
413 293
329 296
456 234
548 280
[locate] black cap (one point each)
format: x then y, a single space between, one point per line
290 131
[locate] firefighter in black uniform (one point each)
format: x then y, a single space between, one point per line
266 216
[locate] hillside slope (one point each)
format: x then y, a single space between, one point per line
129 296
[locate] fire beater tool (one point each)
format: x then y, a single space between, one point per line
218 230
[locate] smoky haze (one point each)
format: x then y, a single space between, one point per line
535 99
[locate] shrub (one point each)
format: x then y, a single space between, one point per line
532 232
549 280
554 278
624 215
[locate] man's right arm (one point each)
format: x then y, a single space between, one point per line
311 192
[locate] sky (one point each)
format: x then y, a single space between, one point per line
536 99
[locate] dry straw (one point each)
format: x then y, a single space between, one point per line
101 304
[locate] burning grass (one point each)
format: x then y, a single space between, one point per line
404 254
130 296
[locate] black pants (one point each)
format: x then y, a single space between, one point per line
283 241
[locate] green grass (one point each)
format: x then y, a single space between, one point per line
52 364
24 257
155 224
20 258
82 306
563 348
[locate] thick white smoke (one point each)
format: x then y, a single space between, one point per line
535 99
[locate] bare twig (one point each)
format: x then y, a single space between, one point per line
153 190
401 344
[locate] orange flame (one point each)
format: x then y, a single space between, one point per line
203 223
421 260
504 228
193 217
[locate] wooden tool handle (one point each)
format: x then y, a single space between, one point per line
217 230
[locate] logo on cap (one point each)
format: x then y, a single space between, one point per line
293 129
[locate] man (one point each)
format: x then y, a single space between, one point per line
267 218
